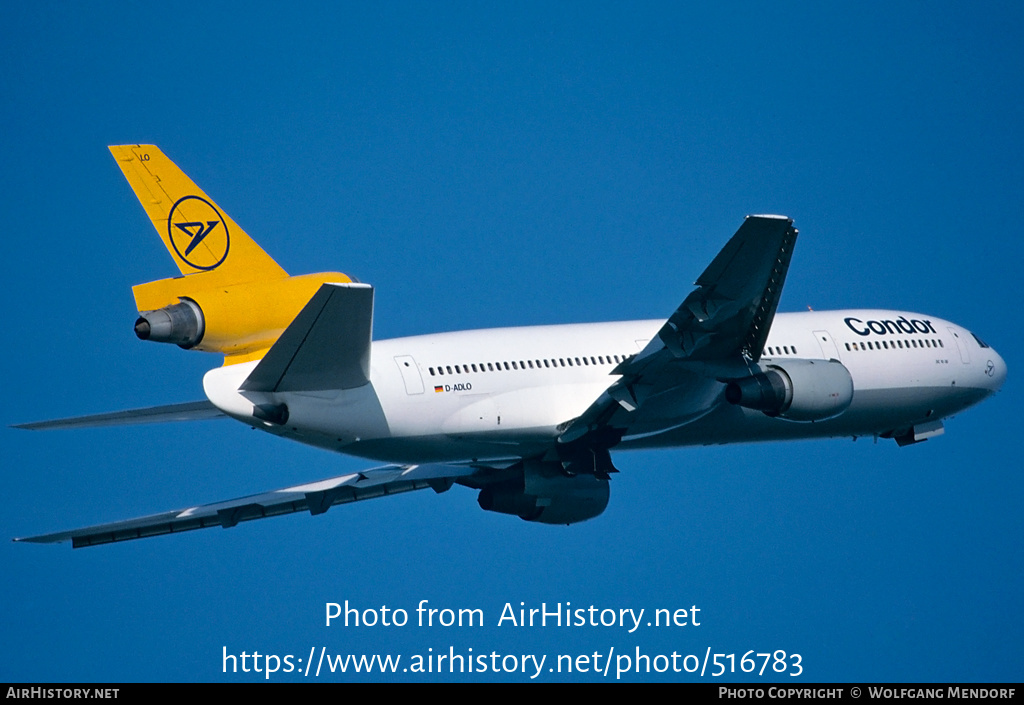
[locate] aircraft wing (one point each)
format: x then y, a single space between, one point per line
312 497
189 411
726 318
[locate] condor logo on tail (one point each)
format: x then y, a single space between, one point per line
236 305
193 222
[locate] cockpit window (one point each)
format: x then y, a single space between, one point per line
981 342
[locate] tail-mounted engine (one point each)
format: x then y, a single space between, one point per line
238 320
798 390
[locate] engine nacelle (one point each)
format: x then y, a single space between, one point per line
543 493
239 320
182 324
798 390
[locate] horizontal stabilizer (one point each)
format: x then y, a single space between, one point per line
327 346
189 411
314 497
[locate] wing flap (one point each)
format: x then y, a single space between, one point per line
314 497
327 346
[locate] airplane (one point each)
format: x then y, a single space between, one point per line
527 417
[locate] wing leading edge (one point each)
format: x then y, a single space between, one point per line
314 497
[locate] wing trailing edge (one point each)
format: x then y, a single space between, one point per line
314 497
189 411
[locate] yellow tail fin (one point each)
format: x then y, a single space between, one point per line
195 230
234 298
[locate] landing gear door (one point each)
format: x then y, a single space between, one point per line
410 374
828 346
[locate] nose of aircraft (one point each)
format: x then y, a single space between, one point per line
995 370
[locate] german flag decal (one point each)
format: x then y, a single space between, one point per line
438 388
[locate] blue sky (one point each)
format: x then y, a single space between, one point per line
497 166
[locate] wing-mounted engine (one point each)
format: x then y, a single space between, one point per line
542 492
798 390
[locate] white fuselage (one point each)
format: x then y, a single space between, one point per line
505 393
